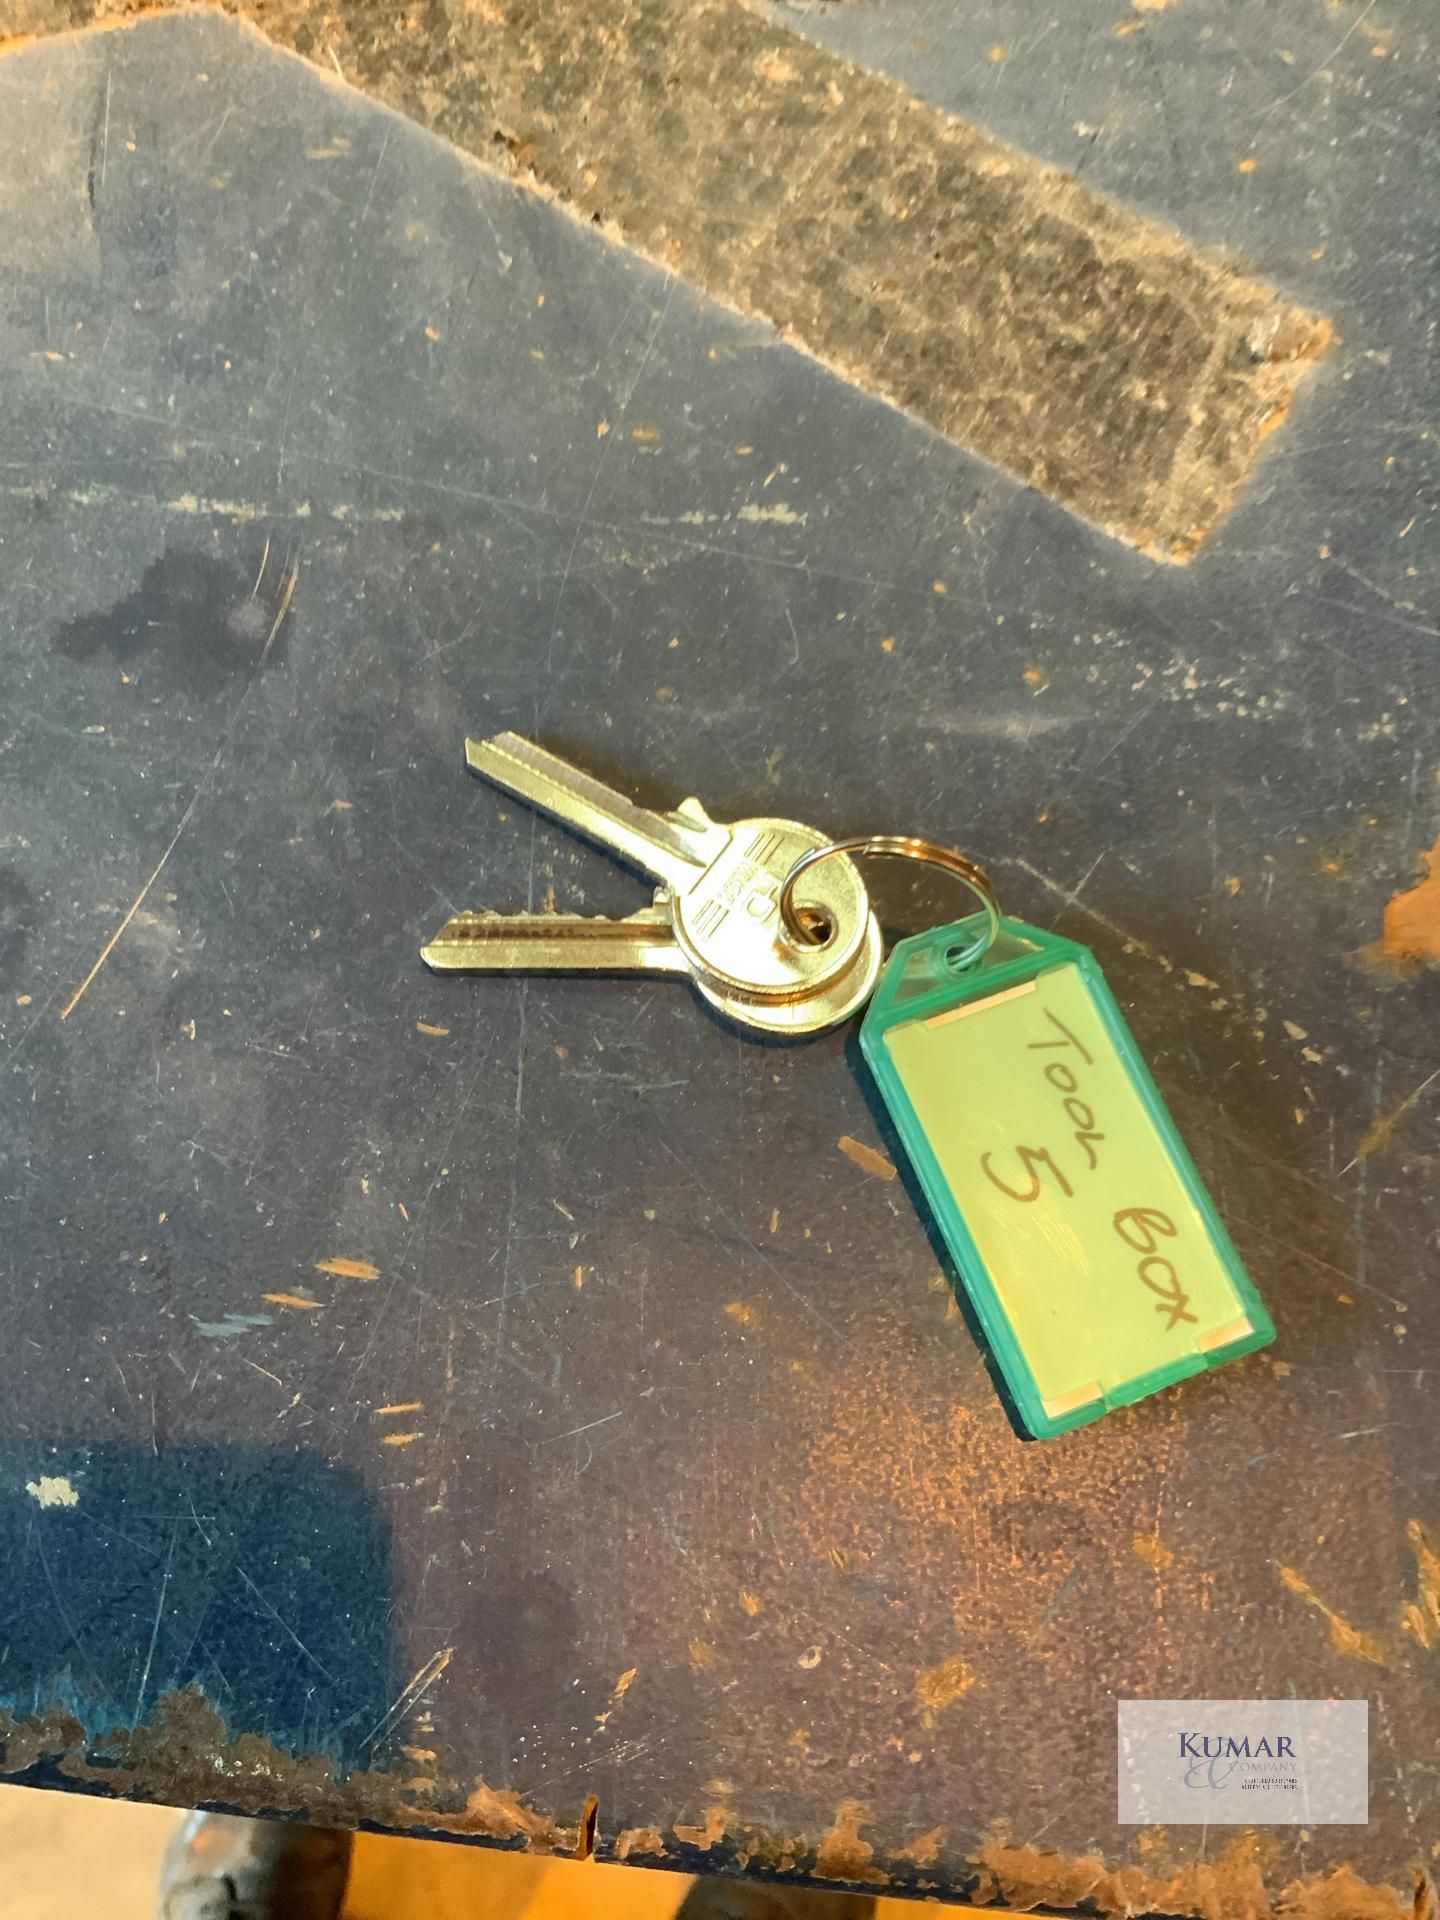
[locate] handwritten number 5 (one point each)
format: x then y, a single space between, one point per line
1031 1158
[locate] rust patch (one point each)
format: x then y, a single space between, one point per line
938 1687
708 1836
925 1849
1232 1886
842 1854
869 1158
1411 937
186 1755
633 1840
1421 1617
1093 353
1347 1640
345 1269
503 1815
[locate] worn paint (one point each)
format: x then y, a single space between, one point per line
1152 1550
1347 1640
1175 356
231 1325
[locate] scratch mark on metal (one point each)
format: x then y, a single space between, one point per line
138 902
423 1677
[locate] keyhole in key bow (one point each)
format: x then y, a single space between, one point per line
819 927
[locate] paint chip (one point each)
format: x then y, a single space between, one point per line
290 1300
1412 920
424 1026
399 1439
52 1490
870 1158
345 1269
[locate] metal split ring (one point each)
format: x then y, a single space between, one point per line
900 847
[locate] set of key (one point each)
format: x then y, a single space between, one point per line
715 914
773 924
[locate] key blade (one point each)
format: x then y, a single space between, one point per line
555 943
672 849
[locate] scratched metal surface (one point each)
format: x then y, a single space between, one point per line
436 1402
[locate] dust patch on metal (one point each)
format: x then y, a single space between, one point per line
1096 355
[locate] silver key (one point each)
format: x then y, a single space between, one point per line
715 914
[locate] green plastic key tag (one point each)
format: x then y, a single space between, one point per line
1094 1258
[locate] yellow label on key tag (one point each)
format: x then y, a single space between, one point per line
1093 1253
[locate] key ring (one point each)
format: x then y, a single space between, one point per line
900 847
